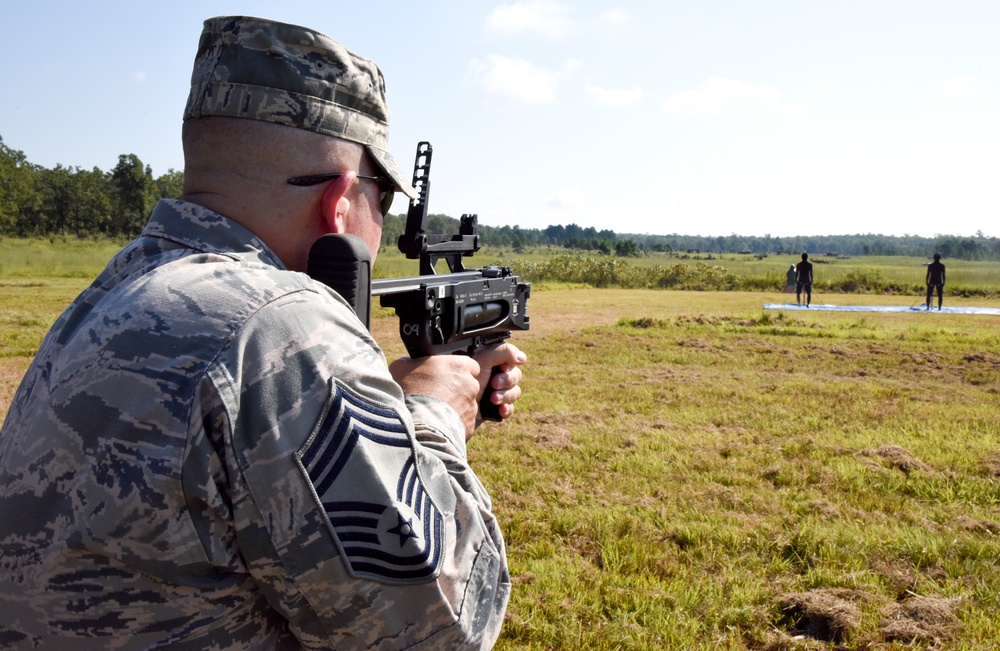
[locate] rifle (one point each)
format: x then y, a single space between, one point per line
456 312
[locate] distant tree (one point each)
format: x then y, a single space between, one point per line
626 248
17 188
135 191
392 227
55 189
555 235
94 203
441 224
170 185
71 201
519 241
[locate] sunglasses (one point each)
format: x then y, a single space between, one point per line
387 190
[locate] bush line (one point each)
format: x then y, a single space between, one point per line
605 272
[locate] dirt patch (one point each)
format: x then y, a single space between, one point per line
553 437
982 358
834 616
899 577
829 615
823 509
653 376
522 579
699 344
988 527
782 641
554 431
933 360
920 619
899 458
992 464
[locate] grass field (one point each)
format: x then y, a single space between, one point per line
688 471
901 270
66 257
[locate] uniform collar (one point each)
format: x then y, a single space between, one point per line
201 229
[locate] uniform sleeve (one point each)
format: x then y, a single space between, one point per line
356 510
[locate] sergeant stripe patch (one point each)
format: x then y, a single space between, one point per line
362 465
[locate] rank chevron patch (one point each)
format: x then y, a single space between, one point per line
362 464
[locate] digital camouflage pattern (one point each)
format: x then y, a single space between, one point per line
209 452
285 74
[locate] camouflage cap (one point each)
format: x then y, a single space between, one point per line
270 71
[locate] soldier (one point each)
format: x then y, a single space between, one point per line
935 280
804 280
209 450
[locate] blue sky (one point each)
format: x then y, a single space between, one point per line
710 117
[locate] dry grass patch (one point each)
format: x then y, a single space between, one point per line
921 620
835 616
898 458
988 527
828 615
991 464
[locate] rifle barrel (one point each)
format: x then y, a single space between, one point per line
383 286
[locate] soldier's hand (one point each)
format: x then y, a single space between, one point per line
451 378
502 389
461 381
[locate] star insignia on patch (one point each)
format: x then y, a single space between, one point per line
404 530
362 464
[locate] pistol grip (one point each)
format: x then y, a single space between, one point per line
487 410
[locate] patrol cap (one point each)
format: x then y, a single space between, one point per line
265 70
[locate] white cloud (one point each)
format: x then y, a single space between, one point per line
515 79
614 96
616 16
139 76
568 198
717 94
960 85
546 17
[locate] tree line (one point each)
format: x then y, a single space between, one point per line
978 247
516 238
37 201
607 242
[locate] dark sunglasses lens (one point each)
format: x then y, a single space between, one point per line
385 200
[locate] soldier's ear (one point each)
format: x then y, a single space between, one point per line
334 204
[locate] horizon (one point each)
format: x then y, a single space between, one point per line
706 120
977 235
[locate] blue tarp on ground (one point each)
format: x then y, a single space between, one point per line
883 308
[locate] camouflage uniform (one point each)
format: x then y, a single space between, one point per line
209 452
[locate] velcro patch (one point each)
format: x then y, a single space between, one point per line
362 464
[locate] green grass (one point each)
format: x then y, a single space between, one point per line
688 471
896 268
861 275
56 257
899 274
67 257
